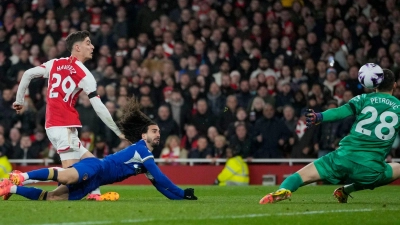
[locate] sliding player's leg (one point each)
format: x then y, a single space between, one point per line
391 173
67 176
306 175
26 182
323 168
82 178
7 187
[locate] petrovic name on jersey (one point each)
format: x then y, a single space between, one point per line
385 101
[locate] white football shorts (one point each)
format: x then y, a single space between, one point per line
66 141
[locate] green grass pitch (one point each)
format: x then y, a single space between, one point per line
216 205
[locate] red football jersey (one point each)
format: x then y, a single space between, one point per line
67 78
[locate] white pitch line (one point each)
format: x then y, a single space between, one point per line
220 217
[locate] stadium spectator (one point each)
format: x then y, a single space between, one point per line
212 132
189 140
147 106
269 144
228 115
167 126
219 148
204 118
244 96
24 150
172 151
256 109
180 111
201 151
241 141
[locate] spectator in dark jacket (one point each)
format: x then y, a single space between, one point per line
201 151
228 116
241 140
203 119
215 99
244 95
147 106
219 148
24 150
167 126
180 110
270 134
285 97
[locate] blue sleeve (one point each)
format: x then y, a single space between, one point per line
166 192
144 153
162 181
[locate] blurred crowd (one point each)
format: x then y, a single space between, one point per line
214 74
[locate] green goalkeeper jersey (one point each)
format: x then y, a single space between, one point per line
374 130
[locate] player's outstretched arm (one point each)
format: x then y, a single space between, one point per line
88 84
104 114
339 113
164 185
315 118
28 75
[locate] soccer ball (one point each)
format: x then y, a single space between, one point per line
370 75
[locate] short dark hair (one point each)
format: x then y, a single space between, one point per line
388 81
76 37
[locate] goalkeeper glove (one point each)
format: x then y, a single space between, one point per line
313 118
189 194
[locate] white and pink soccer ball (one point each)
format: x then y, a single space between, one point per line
370 75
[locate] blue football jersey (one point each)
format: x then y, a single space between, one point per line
134 160
125 163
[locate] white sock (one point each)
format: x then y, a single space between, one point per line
96 192
13 189
26 176
58 168
35 181
349 188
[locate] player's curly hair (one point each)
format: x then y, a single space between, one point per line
133 122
